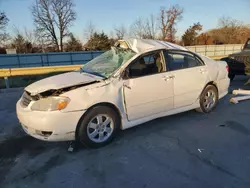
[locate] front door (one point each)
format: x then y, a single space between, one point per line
148 89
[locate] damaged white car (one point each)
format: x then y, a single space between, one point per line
134 82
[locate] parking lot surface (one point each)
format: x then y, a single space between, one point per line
185 150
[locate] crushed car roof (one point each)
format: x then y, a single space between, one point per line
143 45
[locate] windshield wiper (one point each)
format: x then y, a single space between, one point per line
97 74
94 73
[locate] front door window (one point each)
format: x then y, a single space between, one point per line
146 65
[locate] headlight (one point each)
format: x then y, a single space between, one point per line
51 104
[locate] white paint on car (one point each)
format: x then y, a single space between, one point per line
138 100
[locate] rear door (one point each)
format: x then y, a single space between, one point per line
190 76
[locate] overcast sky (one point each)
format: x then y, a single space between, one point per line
109 13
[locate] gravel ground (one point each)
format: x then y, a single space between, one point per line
185 150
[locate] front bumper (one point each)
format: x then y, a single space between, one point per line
48 126
223 86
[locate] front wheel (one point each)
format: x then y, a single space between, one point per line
98 127
208 99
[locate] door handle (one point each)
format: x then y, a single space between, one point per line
202 71
172 77
166 78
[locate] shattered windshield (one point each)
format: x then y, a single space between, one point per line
108 62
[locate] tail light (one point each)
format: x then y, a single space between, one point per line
227 67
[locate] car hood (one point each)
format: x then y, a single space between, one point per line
61 81
243 52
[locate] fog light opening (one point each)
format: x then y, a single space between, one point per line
44 133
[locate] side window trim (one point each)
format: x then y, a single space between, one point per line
188 52
182 52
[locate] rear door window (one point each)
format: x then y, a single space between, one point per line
176 60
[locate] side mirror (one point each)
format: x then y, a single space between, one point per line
125 74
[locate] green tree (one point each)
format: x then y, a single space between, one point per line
190 35
4 37
21 45
99 41
3 51
3 20
73 45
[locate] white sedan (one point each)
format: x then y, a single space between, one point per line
134 82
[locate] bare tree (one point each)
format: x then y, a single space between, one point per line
120 32
137 29
144 28
229 22
30 35
150 27
4 38
230 29
111 34
89 30
53 18
168 20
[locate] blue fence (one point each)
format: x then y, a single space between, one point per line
46 59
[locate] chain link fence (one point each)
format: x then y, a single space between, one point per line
216 50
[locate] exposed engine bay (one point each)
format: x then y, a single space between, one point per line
57 92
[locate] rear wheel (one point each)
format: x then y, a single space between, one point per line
98 127
208 99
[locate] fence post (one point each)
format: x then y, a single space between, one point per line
47 58
71 58
92 55
41 59
19 63
6 82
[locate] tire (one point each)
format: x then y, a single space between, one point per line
205 97
231 76
91 130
